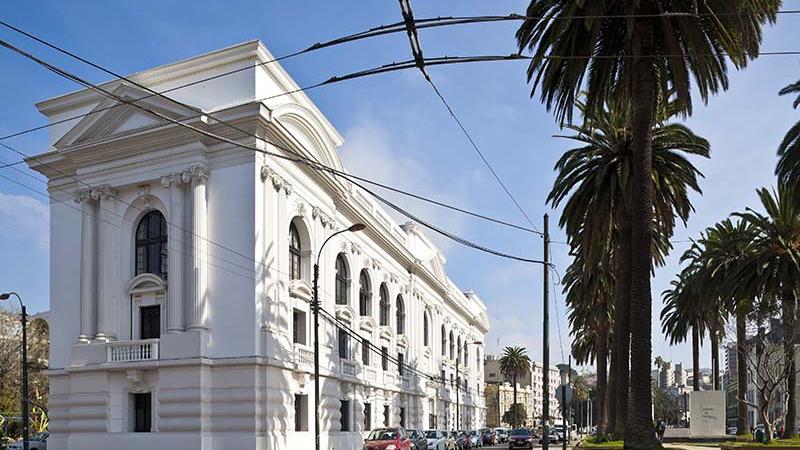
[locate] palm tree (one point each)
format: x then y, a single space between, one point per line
726 247
595 182
774 270
588 297
641 52
788 169
515 363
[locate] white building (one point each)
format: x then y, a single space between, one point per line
181 270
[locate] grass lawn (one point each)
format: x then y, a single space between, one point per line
593 444
776 443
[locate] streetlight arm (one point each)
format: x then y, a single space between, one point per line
9 294
319 253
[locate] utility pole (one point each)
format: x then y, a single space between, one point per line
458 415
546 337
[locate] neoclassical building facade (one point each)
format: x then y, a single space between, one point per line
182 264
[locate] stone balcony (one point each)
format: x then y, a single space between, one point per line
129 351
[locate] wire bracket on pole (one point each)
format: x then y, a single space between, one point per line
413 37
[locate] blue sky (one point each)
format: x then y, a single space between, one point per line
394 127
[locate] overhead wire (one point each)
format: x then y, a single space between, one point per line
297 158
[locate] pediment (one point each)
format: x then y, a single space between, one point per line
146 282
112 117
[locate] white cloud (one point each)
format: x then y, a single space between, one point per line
25 219
371 153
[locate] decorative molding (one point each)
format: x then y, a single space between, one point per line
145 195
199 172
278 182
85 195
301 209
105 192
355 248
324 218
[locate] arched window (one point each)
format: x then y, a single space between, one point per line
444 341
342 277
401 315
384 305
294 252
425 331
452 346
151 244
466 354
458 348
364 294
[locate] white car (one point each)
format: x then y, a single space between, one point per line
437 439
38 441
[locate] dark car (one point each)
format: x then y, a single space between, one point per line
418 439
462 440
387 438
520 438
489 436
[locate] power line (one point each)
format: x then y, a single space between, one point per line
236 128
297 159
419 61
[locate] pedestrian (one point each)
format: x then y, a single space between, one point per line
661 427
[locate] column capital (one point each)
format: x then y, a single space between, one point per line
278 182
86 195
104 192
199 172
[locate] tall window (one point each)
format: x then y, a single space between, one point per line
300 412
367 416
444 341
401 315
385 358
151 244
364 294
458 350
294 252
386 415
384 305
341 280
452 346
400 363
344 344
142 412
344 410
365 352
425 331
466 354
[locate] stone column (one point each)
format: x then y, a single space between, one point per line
107 267
88 200
175 254
198 319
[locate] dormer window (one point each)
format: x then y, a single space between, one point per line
151 245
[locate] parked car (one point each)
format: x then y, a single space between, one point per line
437 440
520 438
552 438
391 438
418 440
37 441
502 435
489 436
733 430
462 440
475 439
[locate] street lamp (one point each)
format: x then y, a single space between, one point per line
458 358
315 307
25 421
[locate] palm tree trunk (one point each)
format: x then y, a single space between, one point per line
602 366
639 430
788 311
622 331
514 404
695 359
741 372
612 393
714 336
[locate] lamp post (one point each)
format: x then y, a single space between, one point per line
25 418
458 358
315 307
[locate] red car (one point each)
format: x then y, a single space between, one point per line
387 439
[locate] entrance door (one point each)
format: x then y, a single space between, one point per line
150 322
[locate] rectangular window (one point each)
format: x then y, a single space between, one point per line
402 417
299 327
365 352
344 343
367 416
400 363
386 415
385 358
150 322
142 412
443 376
300 412
344 410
